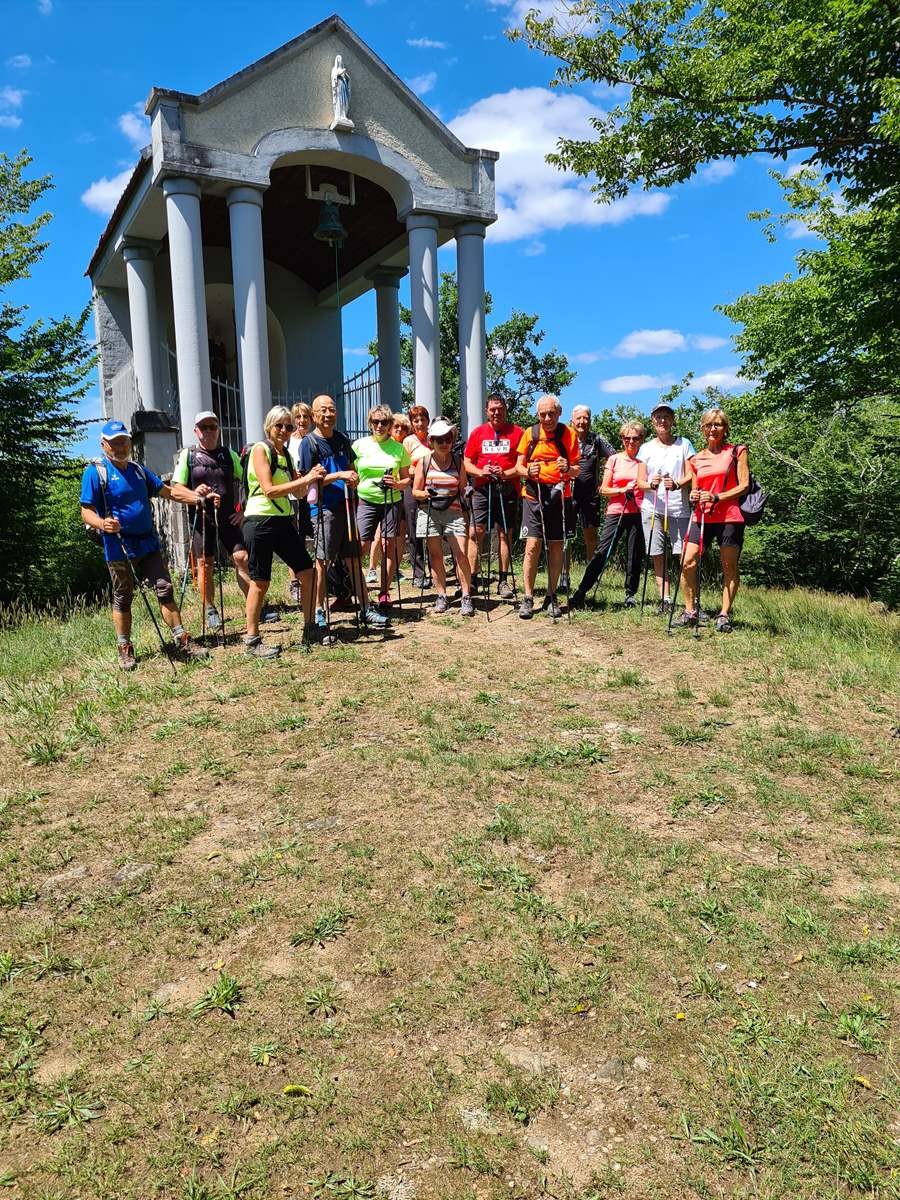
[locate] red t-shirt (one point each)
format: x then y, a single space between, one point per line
489 445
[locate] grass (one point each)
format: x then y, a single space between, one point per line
477 933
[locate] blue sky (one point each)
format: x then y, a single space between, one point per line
628 293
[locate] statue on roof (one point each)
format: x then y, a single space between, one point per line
340 95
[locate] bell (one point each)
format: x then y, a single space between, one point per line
330 228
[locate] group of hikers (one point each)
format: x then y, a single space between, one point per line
325 505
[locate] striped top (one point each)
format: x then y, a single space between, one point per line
444 480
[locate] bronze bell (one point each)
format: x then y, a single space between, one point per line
330 228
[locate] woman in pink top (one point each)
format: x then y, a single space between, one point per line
721 477
624 480
417 445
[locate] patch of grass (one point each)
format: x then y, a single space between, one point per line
520 1097
66 1107
506 825
861 1025
687 735
467 1155
624 678
321 1000
331 923
223 996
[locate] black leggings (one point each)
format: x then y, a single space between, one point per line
630 529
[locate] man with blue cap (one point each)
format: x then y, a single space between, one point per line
115 501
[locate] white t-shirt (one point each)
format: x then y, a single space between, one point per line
667 460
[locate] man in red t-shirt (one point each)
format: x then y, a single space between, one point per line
490 460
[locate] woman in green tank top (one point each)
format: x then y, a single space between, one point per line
269 526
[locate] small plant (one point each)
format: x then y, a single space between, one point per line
225 995
17 895
262 1053
238 1105
576 930
328 925
683 689
291 722
321 1000
346 1187
67 1108
627 677
798 918
489 698
464 1156
506 825
537 974
683 735
714 915
46 749
720 699
860 1026
519 1098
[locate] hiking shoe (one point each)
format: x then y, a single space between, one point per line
320 619
723 623
578 599
318 635
526 608
127 661
687 619
255 647
213 620
269 616
371 616
372 575
294 592
552 607
185 649
440 604
564 581
422 582
505 591
466 607
663 608
630 602
703 618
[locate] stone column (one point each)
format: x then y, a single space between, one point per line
470 281
423 287
387 308
139 271
188 300
248 276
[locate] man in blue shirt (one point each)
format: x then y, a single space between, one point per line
119 509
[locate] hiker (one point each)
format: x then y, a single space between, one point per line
383 469
720 476
624 481
438 484
269 526
416 444
585 488
115 501
302 418
402 427
491 455
333 508
665 509
547 461
219 469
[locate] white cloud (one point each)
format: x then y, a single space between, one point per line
11 97
103 195
532 196
519 9
623 385
425 43
135 126
587 357
797 229
45 7
422 84
356 351
725 378
716 171
9 122
533 249
650 341
706 341
19 61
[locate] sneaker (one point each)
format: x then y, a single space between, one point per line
703 618
185 649
294 592
269 616
564 581
552 607
318 635
466 607
255 647
687 619
422 582
371 616
321 621
213 620
578 599
372 575
526 608
505 591
630 602
127 661
723 623
440 604
663 608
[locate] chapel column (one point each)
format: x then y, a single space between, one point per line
470 283
188 300
248 277
387 309
139 272
423 288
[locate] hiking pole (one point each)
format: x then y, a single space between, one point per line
220 570
201 574
187 557
321 523
647 563
667 547
544 536
426 559
490 536
353 559
699 565
140 588
565 564
508 544
609 553
684 546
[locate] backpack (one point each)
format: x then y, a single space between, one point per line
223 456
272 455
753 503
101 467
557 438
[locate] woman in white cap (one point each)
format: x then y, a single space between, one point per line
665 508
438 486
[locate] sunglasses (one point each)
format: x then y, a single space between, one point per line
378 421
439 441
282 425
207 428
631 439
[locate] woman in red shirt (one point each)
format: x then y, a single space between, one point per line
721 476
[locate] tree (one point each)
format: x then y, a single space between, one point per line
709 80
43 372
516 367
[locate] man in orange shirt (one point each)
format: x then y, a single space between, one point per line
547 464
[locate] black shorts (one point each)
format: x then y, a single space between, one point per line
229 536
586 503
370 516
532 525
338 541
503 506
266 536
726 533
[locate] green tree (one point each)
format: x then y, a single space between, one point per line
43 372
707 80
517 366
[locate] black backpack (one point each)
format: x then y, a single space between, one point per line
272 455
222 455
101 466
753 504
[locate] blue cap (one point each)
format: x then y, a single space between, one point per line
114 429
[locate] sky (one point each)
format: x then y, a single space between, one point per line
628 291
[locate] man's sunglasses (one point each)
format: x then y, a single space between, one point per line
207 428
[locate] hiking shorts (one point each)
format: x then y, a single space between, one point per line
552 519
447 522
726 533
152 571
267 536
230 537
677 530
369 516
499 496
586 503
337 542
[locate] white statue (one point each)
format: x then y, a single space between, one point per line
340 95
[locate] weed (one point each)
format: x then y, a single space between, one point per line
17 895
291 722
860 1026
466 1156
520 1098
506 825
262 1053
684 735
67 1108
321 1000
224 995
627 677
872 950
683 690
344 1187
328 925
733 1144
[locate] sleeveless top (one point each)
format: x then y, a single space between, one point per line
445 481
258 503
623 471
715 473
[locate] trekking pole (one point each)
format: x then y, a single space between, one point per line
152 615
544 536
187 557
353 558
321 523
201 573
565 563
220 571
699 565
667 546
508 544
609 553
426 559
490 535
684 546
647 563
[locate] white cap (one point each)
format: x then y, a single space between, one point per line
205 416
439 428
